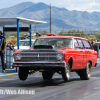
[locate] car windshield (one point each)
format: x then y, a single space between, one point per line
55 42
23 43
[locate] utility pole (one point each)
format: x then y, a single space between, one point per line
85 30
50 17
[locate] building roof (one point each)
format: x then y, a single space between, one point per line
13 21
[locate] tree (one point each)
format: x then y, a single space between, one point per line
97 35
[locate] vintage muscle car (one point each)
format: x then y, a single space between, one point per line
61 54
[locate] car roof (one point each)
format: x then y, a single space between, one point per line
74 37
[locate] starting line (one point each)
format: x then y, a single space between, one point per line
7 74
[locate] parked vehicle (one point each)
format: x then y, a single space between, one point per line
23 44
61 54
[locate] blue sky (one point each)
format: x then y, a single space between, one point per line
80 5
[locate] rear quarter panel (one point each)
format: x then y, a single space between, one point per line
94 58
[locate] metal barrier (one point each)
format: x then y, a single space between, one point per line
9 57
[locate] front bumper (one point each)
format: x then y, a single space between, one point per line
40 64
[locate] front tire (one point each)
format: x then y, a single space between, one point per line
66 73
85 74
23 73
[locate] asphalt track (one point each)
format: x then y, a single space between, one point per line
55 89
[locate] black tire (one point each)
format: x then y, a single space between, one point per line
85 74
23 73
66 73
47 75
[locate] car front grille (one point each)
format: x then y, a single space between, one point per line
39 56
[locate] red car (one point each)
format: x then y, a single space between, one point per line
61 54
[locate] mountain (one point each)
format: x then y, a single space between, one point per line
13 11
96 12
61 18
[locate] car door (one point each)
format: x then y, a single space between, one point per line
81 53
88 52
78 60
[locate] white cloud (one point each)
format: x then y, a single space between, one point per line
93 3
86 5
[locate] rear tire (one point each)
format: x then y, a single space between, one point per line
23 73
66 73
47 75
85 74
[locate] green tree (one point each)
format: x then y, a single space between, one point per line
97 34
61 32
7 35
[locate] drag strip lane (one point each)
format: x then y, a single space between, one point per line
54 89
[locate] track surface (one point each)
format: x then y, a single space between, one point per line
55 89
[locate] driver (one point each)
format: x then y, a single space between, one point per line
59 44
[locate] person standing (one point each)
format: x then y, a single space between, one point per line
92 42
2 50
37 36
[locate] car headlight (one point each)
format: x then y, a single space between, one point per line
60 56
18 57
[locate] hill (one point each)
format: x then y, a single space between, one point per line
61 18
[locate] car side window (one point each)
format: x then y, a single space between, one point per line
80 44
87 45
75 43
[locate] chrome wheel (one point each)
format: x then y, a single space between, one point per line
88 70
66 73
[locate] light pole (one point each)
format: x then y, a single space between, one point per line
50 17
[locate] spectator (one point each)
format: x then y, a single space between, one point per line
2 50
37 36
92 42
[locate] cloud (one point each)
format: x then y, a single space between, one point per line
94 6
93 3
86 5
